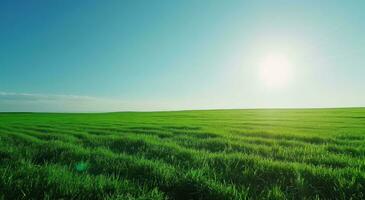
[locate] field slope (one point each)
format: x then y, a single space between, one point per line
217 154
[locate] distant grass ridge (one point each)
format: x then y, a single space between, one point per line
218 154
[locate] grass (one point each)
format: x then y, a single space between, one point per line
218 154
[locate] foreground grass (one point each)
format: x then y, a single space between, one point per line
222 154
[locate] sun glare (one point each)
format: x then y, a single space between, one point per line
275 71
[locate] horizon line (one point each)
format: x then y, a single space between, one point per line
187 110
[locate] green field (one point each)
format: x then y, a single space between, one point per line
217 154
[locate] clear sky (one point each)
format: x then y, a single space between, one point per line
179 54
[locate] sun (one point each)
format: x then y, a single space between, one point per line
275 71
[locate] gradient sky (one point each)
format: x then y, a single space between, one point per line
178 54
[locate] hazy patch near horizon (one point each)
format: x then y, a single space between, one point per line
29 102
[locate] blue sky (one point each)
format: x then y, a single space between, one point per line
170 55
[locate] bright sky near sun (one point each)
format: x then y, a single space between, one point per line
180 54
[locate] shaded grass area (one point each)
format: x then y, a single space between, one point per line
220 154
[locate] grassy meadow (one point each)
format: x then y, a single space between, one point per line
216 154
